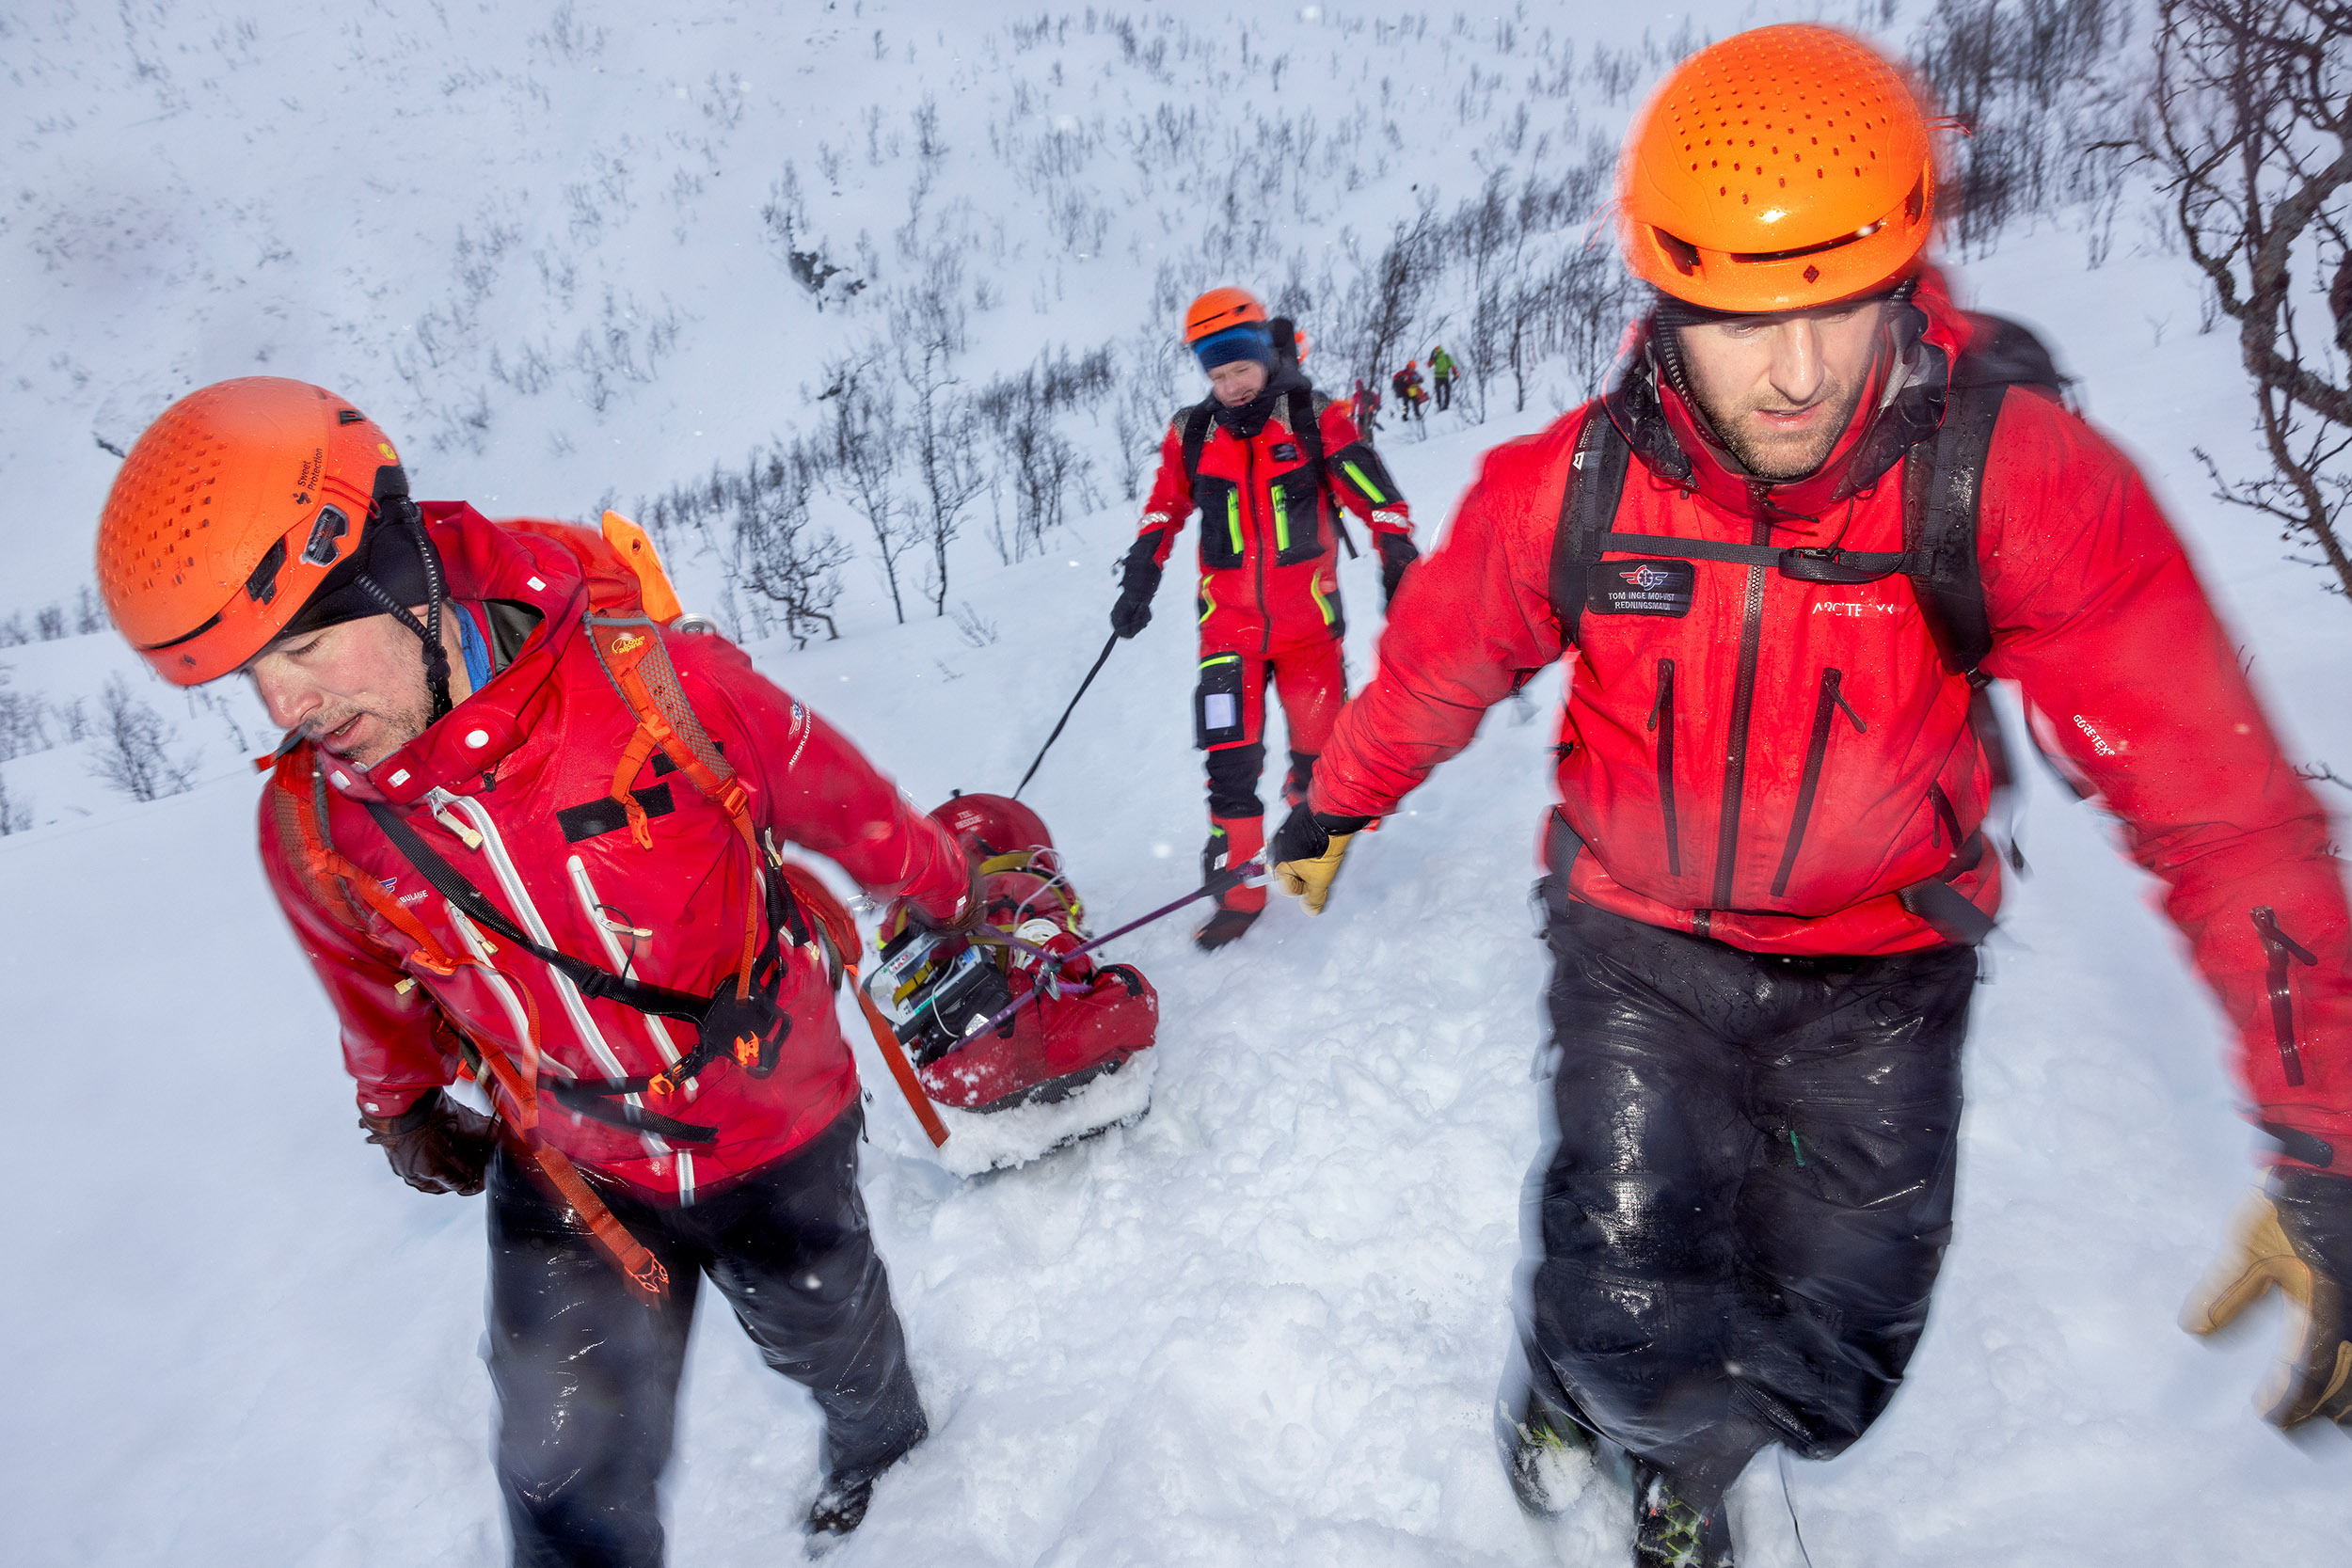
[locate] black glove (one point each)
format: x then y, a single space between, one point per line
437 1145
1139 579
2297 1236
1397 552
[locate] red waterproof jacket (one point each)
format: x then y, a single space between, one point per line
527 763
1268 578
1770 762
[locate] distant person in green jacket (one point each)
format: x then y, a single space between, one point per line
1441 376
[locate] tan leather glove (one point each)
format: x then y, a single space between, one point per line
1306 854
2294 1234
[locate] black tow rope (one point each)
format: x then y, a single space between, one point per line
1104 659
720 1019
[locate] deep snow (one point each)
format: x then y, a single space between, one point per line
1265 1324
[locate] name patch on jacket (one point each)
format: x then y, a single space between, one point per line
1640 588
1285 453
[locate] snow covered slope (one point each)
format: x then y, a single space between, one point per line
1265 1326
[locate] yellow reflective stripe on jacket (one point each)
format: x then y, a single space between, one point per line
1370 491
1233 518
1281 518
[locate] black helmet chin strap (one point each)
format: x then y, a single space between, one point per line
394 507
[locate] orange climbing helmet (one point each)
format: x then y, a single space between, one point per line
1219 310
232 511
1785 168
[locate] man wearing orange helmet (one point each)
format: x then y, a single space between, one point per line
1816 512
1261 458
525 834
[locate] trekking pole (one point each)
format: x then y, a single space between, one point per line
1065 715
1220 883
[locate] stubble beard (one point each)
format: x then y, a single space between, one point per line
1780 460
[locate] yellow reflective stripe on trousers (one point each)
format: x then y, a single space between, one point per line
1314 586
1208 602
1372 492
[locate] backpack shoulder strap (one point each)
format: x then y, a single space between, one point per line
1588 505
1195 428
1305 422
1941 497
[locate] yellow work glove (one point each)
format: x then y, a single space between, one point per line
1306 854
2296 1235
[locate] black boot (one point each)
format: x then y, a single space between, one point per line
1223 927
841 1502
1670 1532
1541 1446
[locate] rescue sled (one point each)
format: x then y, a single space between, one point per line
1072 1059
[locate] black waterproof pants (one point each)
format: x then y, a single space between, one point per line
587 1373
1747 1191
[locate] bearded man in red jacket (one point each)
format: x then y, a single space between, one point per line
1261 458
1817 510
525 834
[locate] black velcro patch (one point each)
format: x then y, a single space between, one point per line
1640 588
591 817
661 762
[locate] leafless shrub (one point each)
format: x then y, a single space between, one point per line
15 812
135 747
976 631
779 553
944 435
2251 128
861 446
2033 83
24 726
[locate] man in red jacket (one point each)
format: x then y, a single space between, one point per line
527 834
1261 459
1769 857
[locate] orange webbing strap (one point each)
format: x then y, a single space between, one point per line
325 864
839 929
627 647
641 1268
639 752
901 1068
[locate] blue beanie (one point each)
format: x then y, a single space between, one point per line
1250 340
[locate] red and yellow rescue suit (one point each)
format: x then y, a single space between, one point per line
1269 597
515 789
1772 762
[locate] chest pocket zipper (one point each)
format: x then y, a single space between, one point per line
1825 710
1662 720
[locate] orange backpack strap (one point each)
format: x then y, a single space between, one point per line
336 880
629 646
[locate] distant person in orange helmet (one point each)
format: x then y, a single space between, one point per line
1261 458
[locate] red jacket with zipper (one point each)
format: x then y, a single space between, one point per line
1688 741
1269 577
544 735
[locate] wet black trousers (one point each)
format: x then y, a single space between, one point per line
1746 1190
587 1373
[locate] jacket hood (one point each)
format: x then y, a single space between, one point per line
1902 402
484 560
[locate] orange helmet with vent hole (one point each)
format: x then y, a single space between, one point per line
1785 168
1219 308
228 513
